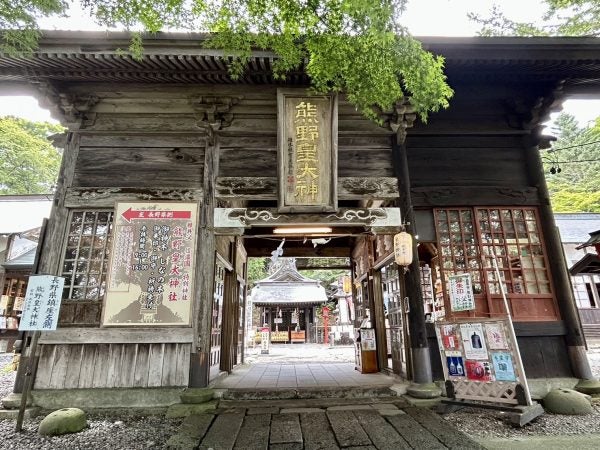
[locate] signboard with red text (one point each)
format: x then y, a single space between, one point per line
150 280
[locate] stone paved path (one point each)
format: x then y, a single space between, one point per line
312 425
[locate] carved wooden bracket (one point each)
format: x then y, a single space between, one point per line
73 111
214 112
400 118
527 113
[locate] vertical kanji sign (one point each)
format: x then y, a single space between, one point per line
307 137
42 303
150 280
461 292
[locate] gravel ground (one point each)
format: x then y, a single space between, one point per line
150 432
480 423
103 432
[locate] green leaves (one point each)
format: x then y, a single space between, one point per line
563 18
28 162
576 188
18 23
353 46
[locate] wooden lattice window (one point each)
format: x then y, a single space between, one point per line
458 245
512 236
470 239
85 261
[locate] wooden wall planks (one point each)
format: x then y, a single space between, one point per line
113 365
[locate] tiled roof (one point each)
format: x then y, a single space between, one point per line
576 228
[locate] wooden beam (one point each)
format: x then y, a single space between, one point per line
117 336
300 252
105 197
265 188
473 196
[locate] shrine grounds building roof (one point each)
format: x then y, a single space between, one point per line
182 58
287 287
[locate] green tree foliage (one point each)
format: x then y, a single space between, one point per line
28 162
257 270
576 152
18 22
562 18
353 46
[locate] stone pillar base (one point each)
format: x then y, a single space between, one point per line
589 387
579 362
424 390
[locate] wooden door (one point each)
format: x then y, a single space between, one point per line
217 319
390 280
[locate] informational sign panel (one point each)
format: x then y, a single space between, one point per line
42 303
479 358
367 339
461 292
264 340
150 280
307 151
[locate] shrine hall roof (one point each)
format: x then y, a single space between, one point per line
182 58
287 286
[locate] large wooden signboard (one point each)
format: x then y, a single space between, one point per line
307 151
150 280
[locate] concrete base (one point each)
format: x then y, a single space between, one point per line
540 387
93 399
13 401
589 387
11 414
425 390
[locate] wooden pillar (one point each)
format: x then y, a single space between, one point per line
52 244
558 267
205 267
379 320
307 326
416 316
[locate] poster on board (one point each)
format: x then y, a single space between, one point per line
503 366
150 279
450 336
496 338
479 370
473 341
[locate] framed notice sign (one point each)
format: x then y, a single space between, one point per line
150 280
307 151
461 292
42 303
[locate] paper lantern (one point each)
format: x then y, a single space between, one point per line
347 284
403 249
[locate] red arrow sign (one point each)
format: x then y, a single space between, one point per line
132 214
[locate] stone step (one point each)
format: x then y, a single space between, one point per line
369 392
273 406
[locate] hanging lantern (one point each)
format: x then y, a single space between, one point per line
347 284
403 249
